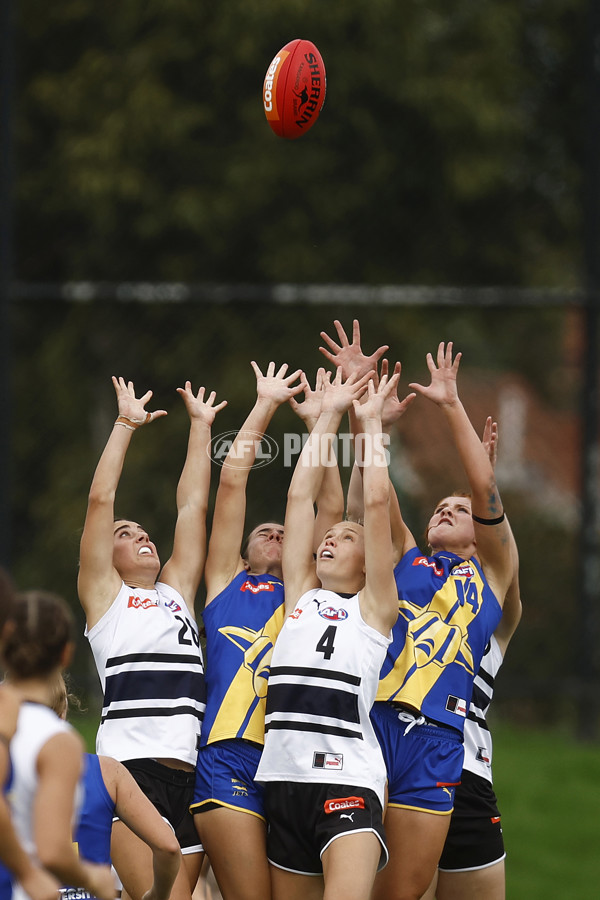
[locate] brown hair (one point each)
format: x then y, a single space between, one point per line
43 626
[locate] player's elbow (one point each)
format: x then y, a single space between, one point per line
100 497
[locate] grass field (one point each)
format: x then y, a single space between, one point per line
548 788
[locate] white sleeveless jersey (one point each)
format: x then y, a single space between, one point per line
147 653
35 726
323 680
478 740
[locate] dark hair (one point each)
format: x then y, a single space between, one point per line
43 626
7 598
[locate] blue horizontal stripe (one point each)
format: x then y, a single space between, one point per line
153 685
313 726
313 701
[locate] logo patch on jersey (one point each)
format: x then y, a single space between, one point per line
138 603
173 605
334 615
457 705
429 564
464 570
494 819
341 803
328 761
483 756
257 588
296 614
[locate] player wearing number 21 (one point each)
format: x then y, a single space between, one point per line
322 766
144 637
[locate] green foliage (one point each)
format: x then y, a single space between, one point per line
447 151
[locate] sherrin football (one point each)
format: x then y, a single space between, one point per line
294 89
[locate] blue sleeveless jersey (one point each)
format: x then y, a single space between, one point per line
447 614
241 623
5 875
92 834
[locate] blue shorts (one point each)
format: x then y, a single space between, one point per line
423 762
225 774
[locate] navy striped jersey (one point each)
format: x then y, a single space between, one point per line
324 673
242 623
478 740
447 614
147 653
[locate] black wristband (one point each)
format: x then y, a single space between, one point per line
487 521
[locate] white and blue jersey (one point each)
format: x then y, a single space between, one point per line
147 652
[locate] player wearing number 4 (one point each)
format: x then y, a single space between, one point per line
243 615
322 767
144 637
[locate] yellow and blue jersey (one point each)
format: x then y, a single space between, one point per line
242 624
447 614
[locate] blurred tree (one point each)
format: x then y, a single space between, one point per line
445 153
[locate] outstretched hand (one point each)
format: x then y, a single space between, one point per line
310 407
132 407
197 406
341 393
350 355
490 440
442 389
393 407
276 387
372 406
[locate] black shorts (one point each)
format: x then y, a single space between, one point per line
474 840
303 820
171 791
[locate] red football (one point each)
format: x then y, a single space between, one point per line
294 89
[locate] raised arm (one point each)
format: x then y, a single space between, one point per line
392 410
224 561
184 569
98 581
492 533
297 556
512 608
379 599
137 812
330 501
59 768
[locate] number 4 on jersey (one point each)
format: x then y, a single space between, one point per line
325 645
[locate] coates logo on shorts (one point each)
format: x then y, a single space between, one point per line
334 615
342 803
262 449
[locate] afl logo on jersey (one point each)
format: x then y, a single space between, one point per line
173 606
465 570
334 615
